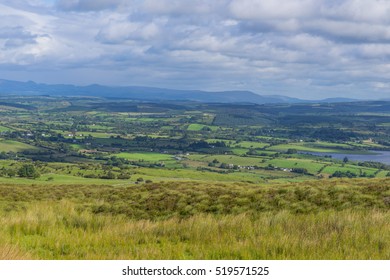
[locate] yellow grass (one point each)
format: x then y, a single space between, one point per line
61 230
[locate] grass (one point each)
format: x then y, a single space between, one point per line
199 127
142 119
61 232
4 128
241 144
93 134
250 144
352 168
59 179
328 144
311 166
74 222
103 135
100 127
244 161
76 146
11 252
191 174
306 148
332 219
382 174
195 127
14 146
185 198
239 151
151 157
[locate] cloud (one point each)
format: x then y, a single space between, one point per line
302 48
375 11
343 21
183 7
117 32
87 5
17 32
260 10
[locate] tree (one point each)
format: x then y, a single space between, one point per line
109 175
292 151
300 170
11 172
223 165
28 171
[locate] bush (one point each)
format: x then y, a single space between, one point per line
341 174
91 176
124 176
300 170
109 175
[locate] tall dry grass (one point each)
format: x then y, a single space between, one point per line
322 219
61 230
11 252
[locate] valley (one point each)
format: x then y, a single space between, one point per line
116 171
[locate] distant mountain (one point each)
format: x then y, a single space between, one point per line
339 100
140 93
146 93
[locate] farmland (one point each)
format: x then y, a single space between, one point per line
125 178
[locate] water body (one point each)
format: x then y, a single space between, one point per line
378 156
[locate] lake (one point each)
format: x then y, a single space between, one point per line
378 156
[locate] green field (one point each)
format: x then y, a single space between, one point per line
143 119
151 157
354 169
249 144
229 159
190 174
303 148
14 146
311 166
3 128
199 127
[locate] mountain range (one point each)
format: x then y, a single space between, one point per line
148 93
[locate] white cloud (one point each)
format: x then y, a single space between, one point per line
371 11
349 31
295 47
117 32
183 7
87 5
277 9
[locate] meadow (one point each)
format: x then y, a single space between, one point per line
339 219
14 146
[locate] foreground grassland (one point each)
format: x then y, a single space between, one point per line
332 219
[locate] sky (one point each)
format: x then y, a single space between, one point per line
308 49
